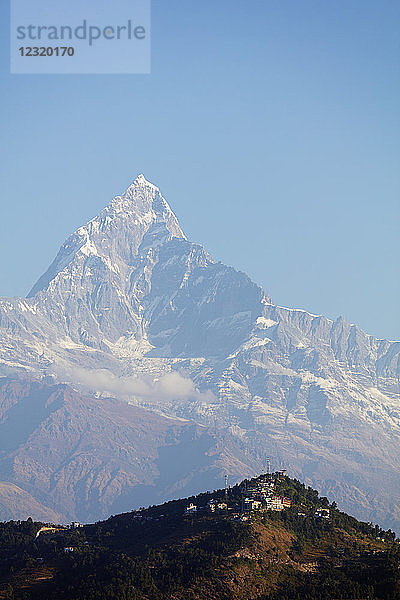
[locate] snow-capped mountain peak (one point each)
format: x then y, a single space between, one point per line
144 199
141 180
118 231
129 298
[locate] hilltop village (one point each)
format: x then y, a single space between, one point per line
258 495
268 492
268 538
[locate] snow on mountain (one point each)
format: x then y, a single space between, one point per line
129 300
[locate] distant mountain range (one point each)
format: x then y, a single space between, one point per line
148 328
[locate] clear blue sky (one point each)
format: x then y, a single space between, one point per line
271 126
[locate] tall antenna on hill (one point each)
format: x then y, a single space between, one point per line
226 485
268 466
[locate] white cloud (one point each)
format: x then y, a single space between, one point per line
169 386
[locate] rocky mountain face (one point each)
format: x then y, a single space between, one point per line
88 457
131 309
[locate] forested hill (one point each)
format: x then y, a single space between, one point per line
268 538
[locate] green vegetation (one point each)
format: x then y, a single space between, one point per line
162 554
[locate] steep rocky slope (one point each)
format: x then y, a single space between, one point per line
130 308
15 503
87 458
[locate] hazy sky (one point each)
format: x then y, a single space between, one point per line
271 126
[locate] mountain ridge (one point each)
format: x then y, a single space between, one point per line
135 303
